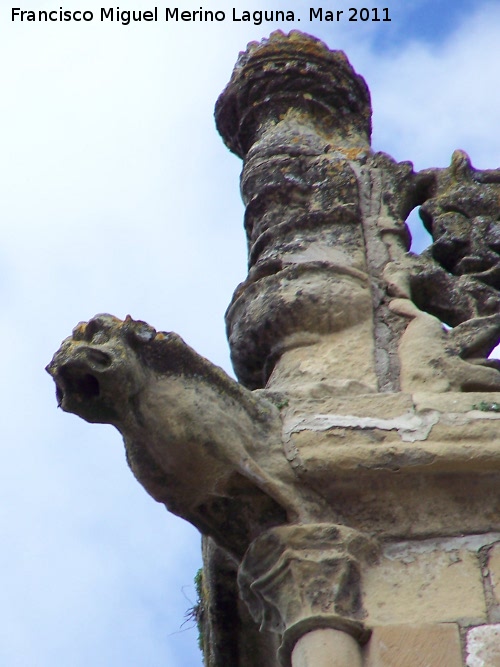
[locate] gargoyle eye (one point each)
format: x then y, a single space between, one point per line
99 358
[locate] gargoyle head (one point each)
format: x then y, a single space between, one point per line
96 369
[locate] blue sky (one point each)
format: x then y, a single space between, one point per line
117 195
429 21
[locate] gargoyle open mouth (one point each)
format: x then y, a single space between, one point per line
76 382
76 377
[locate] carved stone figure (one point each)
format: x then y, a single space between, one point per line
193 436
366 421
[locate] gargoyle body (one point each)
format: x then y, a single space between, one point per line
194 438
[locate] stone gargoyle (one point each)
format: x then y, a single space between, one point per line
199 442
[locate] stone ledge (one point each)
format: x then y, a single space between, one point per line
427 433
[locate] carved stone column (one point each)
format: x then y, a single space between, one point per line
297 580
327 648
296 112
323 217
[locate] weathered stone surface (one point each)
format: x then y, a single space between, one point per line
430 360
393 504
293 308
415 646
483 646
486 406
284 66
461 214
297 578
238 640
457 278
427 441
322 397
493 572
425 582
336 364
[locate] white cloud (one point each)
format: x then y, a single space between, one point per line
431 99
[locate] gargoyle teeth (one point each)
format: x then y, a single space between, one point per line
59 395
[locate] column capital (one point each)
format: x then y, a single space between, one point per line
300 578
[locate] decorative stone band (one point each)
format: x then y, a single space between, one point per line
296 579
295 301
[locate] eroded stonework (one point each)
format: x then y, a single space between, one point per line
349 482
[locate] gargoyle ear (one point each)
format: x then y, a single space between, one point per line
137 331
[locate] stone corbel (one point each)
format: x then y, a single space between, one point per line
302 580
